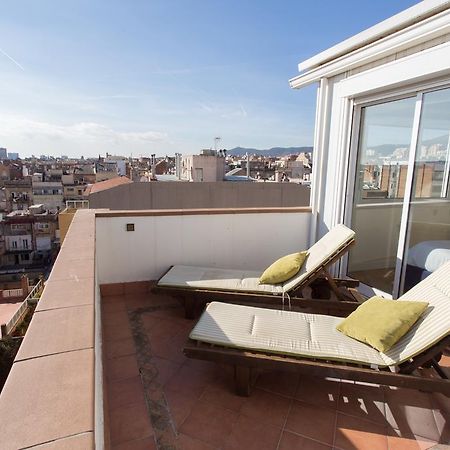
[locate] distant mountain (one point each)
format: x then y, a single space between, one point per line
275 151
388 149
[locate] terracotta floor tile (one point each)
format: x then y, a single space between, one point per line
356 433
311 421
171 349
180 405
162 328
166 369
135 301
125 392
112 290
136 287
113 298
115 318
366 402
291 441
398 442
221 393
130 422
123 347
266 407
318 391
176 312
284 383
203 365
249 434
411 412
445 360
185 442
116 326
188 380
139 444
111 307
122 367
209 423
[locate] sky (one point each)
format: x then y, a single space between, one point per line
81 77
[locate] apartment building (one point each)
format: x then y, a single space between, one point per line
18 194
208 166
29 237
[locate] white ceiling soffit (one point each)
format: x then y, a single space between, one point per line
424 21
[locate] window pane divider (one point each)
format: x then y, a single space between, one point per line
402 251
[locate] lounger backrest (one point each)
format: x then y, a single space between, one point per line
434 325
320 254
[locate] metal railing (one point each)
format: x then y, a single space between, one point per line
8 293
77 204
16 319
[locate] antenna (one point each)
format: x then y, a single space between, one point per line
216 141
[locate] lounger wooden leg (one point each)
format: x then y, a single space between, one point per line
189 307
438 369
332 284
242 380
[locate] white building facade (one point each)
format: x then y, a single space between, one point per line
383 103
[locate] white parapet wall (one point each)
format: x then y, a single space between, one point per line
242 240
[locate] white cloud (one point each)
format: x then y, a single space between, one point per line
224 111
16 126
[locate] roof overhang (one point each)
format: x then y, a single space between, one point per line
420 23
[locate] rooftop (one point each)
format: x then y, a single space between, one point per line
107 184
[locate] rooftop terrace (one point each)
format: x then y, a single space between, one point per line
157 398
101 365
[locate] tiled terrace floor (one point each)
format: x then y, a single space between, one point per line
157 398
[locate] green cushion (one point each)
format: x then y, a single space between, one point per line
283 269
380 322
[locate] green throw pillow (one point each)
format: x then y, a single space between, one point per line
380 322
283 269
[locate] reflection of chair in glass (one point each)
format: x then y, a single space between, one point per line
250 338
195 284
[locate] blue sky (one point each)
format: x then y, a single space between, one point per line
161 76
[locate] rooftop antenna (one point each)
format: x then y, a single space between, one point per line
216 141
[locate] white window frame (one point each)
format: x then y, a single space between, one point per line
424 71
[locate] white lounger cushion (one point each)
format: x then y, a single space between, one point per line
434 323
315 336
216 279
248 280
320 253
282 332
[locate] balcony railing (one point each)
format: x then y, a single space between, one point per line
8 293
9 327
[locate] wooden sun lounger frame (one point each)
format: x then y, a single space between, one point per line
244 361
195 297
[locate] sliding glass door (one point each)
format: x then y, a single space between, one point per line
382 166
400 209
428 219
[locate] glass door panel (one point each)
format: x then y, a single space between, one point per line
382 167
428 227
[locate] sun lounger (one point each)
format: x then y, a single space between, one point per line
249 337
196 283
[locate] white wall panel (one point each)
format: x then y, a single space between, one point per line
242 241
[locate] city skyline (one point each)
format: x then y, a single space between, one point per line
163 77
